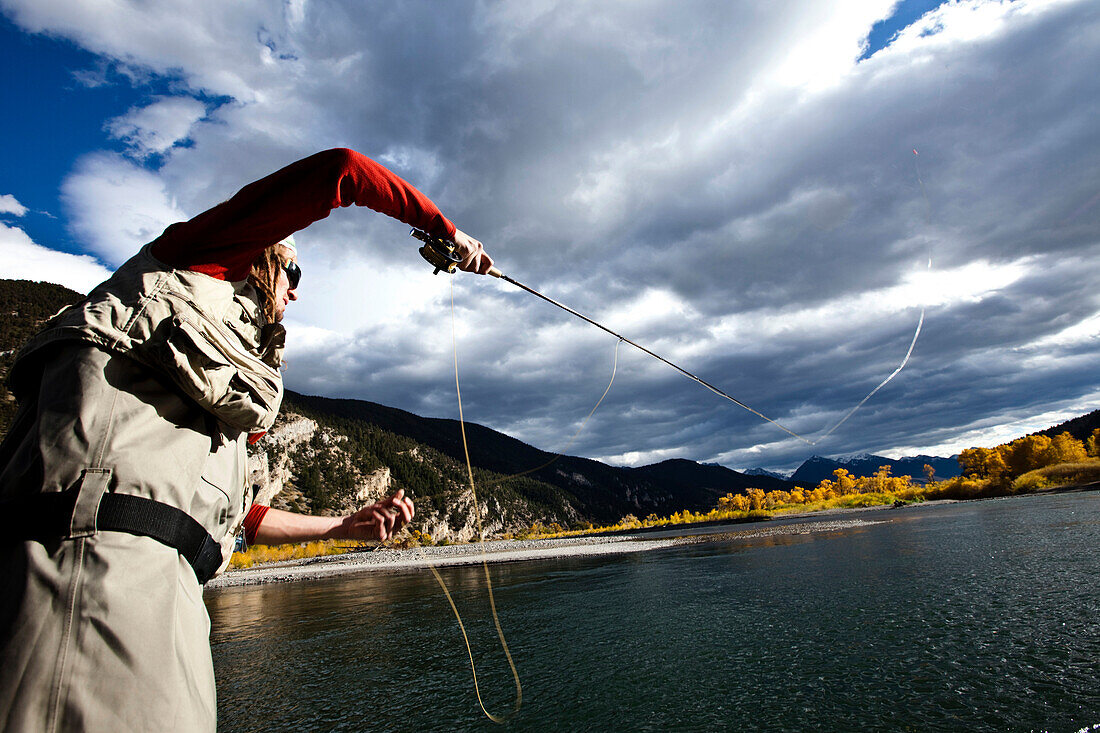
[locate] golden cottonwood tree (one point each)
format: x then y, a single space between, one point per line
1064 448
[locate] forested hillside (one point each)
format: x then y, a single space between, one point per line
323 464
1079 427
597 491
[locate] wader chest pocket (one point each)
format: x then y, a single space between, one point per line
215 369
184 353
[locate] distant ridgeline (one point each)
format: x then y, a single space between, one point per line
325 456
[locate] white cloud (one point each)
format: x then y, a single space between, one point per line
10 205
830 39
958 23
1077 334
642 458
351 291
421 166
116 207
157 127
969 283
25 260
1000 428
307 339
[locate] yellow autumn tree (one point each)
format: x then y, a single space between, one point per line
733 503
983 463
1064 448
845 484
776 498
1026 454
756 498
880 481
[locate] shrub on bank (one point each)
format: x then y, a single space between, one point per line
1063 474
965 487
874 498
275 553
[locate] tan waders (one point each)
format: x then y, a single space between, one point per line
147 389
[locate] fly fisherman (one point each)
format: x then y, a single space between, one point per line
122 479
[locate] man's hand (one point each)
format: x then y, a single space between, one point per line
380 520
472 254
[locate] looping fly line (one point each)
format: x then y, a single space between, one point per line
500 719
481 533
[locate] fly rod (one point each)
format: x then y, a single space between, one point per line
441 255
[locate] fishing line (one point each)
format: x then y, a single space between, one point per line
683 371
559 454
711 387
920 321
883 383
484 560
481 533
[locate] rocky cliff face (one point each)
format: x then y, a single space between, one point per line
306 466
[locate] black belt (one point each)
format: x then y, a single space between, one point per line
46 516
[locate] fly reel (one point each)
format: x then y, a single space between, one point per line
439 253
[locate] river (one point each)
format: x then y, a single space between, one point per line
972 616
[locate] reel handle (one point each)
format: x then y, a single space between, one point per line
440 254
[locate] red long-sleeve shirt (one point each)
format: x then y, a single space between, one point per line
252 522
225 240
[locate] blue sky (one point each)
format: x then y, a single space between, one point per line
62 116
731 184
901 16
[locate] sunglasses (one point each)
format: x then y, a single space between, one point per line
293 274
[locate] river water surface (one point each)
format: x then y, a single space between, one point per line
972 616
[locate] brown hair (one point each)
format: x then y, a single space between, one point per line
264 276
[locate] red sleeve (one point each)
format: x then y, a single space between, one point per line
224 241
252 522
